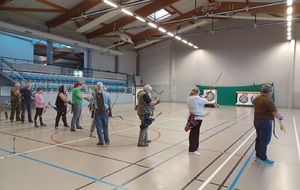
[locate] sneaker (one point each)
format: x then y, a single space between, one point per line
143 145
100 144
257 159
56 127
148 141
92 135
195 153
107 143
79 127
36 125
267 162
43 125
72 130
66 125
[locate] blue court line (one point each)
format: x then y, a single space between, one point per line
241 171
68 170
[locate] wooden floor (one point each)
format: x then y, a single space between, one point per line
44 158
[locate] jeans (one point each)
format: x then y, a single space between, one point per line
263 137
26 106
101 121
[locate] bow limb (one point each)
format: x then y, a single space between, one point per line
256 87
274 133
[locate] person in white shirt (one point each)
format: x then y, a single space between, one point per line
195 105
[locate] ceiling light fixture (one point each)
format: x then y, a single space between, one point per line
170 34
162 30
110 3
127 12
139 18
149 23
152 24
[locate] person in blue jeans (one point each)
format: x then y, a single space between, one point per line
26 102
264 113
102 106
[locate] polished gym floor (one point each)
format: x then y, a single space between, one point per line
44 158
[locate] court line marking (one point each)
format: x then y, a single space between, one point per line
223 164
232 185
66 143
297 139
68 170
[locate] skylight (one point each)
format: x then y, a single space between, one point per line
159 15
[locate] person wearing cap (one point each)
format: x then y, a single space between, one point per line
77 99
195 105
102 105
264 113
145 110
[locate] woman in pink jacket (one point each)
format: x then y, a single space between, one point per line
39 107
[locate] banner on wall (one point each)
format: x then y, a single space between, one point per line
212 96
245 98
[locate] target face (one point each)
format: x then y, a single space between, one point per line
243 99
210 96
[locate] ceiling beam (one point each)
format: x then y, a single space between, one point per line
16 9
143 12
2 2
98 20
75 11
45 2
152 31
225 6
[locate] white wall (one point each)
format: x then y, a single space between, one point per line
102 61
16 48
262 55
296 77
127 62
155 68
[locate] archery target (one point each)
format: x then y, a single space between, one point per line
246 98
211 96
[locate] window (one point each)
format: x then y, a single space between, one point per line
159 15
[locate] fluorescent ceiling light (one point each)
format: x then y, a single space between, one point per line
110 3
196 47
289 29
152 25
184 41
289 18
127 12
289 10
170 34
139 18
177 37
162 30
289 2
289 24
190 44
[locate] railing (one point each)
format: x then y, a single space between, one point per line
7 66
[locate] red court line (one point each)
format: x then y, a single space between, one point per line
96 146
